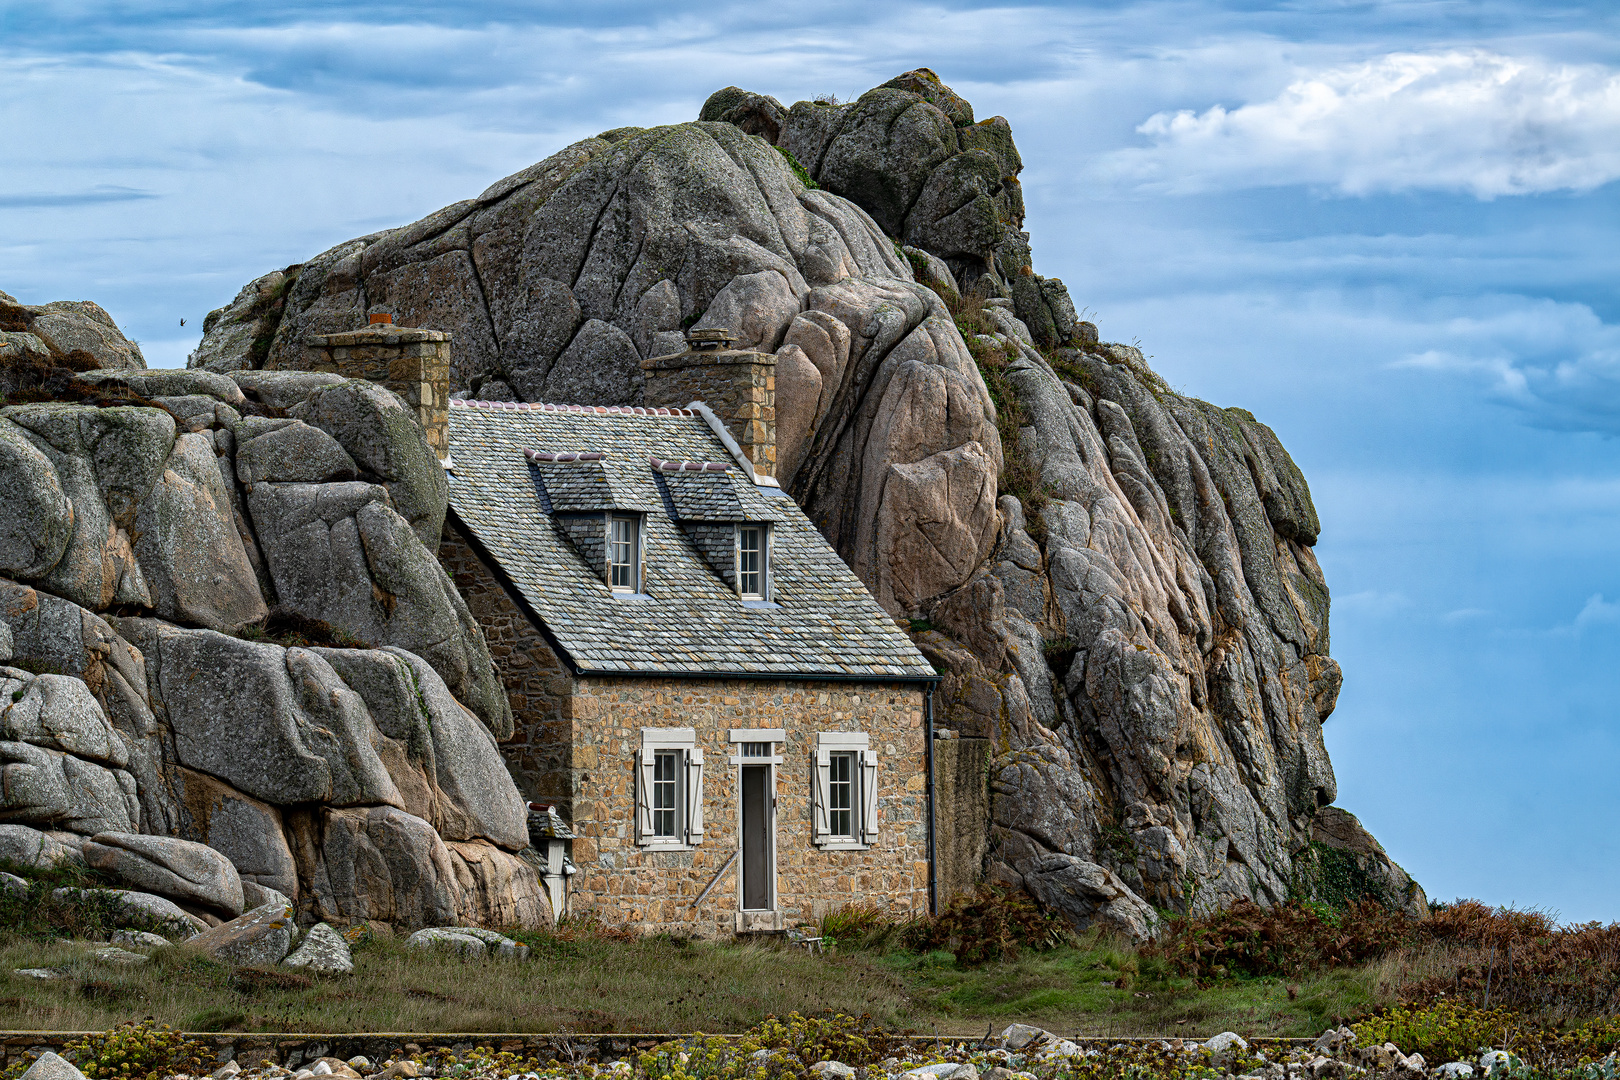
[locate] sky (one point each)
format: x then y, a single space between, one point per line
1391 230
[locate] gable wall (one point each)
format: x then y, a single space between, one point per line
539 687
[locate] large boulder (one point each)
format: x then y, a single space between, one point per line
341 553
464 789
1087 894
58 635
58 712
106 462
383 438
245 830
50 788
1345 857
377 863
278 451
168 866
31 847
237 333
275 723
188 546
323 952
36 516
258 938
78 330
545 306
384 864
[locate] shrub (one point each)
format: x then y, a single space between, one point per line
1443 1031
138 1051
991 924
1283 940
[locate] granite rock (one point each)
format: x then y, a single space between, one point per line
168 866
323 952
258 938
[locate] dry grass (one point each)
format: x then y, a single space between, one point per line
586 986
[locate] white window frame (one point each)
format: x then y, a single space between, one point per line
765 553
634 566
864 806
681 742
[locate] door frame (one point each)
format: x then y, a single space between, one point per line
774 737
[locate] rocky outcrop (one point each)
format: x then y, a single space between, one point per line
68 333
1117 581
558 281
170 742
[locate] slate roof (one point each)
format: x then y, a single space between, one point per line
824 622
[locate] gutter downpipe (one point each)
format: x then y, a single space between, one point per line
933 831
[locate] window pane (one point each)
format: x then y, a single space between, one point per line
841 795
622 554
756 749
663 793
749 558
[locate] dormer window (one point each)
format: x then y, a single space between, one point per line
753 581
624 553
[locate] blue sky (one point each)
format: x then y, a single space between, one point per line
1389 229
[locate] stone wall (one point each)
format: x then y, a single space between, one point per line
415 364
962 796
537 684
656 890
740 386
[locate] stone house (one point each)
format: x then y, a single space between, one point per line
734 731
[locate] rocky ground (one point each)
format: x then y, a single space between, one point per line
1019 1053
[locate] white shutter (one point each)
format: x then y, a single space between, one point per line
768 558
694 796
869 803
644 786
819 811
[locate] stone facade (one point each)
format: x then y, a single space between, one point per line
739 385
661 890
576 742
962 794
415 364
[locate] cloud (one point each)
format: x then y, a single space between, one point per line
1597 612
1466 121
102 193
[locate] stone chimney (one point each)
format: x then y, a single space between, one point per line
415 364
739 385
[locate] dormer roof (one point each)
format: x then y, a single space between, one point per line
518 468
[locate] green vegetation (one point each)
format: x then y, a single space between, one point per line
1469 974
269 309
799 170
289 629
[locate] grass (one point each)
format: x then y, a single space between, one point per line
592 985
664 985
991 959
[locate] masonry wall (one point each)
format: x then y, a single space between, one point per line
657 890
962 813
538 686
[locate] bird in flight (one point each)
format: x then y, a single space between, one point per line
182 322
